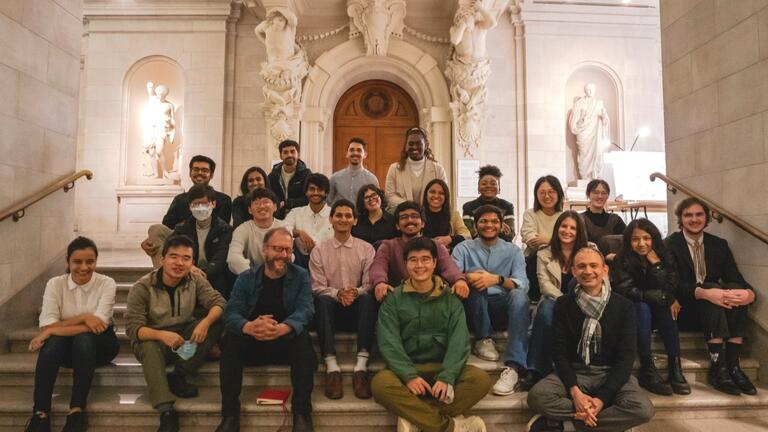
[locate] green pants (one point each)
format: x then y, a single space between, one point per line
155 356
471 386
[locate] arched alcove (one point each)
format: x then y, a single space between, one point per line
159 70
609 90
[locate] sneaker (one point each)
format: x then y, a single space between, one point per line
468 424
37 423
404 425
76 422
539 423
485 349
506 383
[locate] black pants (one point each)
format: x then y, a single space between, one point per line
715 321
241 350
534 292
83 353
360 316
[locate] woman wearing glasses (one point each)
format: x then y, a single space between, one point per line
407 178
373 223
600 223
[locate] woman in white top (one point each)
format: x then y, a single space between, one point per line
75 332
538 224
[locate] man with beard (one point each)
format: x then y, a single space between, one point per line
347 182
594 346
201 169
407 178
287 178
266 320
498 299
311 223
712 295
388 269
343 298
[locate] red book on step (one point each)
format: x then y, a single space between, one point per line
272 397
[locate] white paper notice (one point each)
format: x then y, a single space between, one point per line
467 181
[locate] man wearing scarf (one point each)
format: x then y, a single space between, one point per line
593 350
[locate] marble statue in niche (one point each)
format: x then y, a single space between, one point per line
468 67
285 68
590 124
159 133
376 20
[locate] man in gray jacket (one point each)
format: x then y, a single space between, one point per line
163 328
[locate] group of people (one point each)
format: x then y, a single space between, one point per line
404 271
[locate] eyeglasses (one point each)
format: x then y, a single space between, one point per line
412 216
200 170
281 249
424 260
370 198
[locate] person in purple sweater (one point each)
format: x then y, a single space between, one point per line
388 268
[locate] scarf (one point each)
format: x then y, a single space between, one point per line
591 331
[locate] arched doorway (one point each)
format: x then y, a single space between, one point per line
379 112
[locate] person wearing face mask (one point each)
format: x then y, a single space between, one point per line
407 178
253 178
201 169
211 236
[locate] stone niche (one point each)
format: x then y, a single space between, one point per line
149 181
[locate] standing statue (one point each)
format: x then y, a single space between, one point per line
468 67
590 123
283 72
159 132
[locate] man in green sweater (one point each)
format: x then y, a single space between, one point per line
423 337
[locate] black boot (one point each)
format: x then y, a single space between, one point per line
649 378
169 421
675 376
721 380
742 381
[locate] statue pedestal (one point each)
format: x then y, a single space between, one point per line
142 206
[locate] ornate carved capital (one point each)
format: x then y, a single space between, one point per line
376 21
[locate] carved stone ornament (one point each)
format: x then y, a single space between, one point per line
376 20
283 72
468 67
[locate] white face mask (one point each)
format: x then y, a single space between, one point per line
202 212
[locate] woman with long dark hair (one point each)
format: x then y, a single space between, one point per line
76 332
253 178
406 178
553 269
441 222
645 273
373 223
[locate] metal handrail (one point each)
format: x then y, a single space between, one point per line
17 210
718 212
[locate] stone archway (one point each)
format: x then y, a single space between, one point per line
347 64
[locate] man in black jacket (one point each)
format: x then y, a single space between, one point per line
593 348
201 169
712 294
287 178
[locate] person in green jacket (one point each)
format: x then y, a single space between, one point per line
423 337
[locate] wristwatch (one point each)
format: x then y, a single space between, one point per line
501 280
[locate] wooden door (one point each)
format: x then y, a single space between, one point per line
379 112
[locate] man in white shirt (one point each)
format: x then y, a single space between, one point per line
348 181
248 237
311 224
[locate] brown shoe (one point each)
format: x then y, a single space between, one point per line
361 384
333 387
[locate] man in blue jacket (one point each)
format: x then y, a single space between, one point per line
266 320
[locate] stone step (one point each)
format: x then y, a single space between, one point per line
19 370
128 407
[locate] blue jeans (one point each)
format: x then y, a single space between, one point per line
647 314
540 351
498 311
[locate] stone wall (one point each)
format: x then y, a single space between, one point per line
39 84
715 64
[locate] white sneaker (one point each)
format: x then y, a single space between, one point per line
485 349
404 425
506 383
468 424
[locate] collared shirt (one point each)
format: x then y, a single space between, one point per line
389 266
503 258
64 299
317 225
699 264
383 229
347 182
334 265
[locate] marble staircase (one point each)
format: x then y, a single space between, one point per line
118 397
